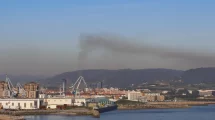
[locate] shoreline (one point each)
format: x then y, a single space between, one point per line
10 117
19 115
153 107
14 115
163 105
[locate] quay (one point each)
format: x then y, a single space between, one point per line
9 117
70 112
189 103
126 105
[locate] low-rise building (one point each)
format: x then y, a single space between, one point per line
42 96
142 99
190 91
21 103
150 98
206 93
152 94
52 103
160 98
134 96
165 92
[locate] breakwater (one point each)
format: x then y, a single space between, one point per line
131 107
190 103
70 112
163 105
9 117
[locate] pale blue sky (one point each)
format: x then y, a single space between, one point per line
48 30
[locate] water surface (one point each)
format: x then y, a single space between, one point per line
194 113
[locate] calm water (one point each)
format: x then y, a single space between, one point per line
194 113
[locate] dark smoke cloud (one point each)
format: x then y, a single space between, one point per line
116 44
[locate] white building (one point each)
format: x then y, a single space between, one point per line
190 91
42 96
80 102
165 92
53 102
206 93
20 103
134 96
152 94
142 99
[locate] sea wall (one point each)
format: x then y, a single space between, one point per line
72 112
190 103
130 107
163 105
8 117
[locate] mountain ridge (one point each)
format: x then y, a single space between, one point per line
121 77
116 78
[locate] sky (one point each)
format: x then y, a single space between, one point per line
42 37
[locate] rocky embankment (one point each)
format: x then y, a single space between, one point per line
130 107
72 112
189 103
162 105
9 117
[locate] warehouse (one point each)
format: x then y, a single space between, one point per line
20 103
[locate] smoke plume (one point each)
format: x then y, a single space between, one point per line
120 45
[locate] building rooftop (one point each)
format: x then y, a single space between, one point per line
34 83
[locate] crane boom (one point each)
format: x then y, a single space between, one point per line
75 87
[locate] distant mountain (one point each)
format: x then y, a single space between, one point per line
116 78
122 77
21 78
199 75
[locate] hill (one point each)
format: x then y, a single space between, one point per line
122 77
199 75
116 78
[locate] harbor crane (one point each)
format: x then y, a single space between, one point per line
11 90
21 90
75 87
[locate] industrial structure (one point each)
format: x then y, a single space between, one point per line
32 90
8 90
75 88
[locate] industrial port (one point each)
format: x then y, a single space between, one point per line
31 97
80 99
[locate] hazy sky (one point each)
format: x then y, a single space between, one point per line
41 37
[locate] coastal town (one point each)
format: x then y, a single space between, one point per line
32 97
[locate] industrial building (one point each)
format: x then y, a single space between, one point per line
32 90
4 89
52 103
206 93
20 103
